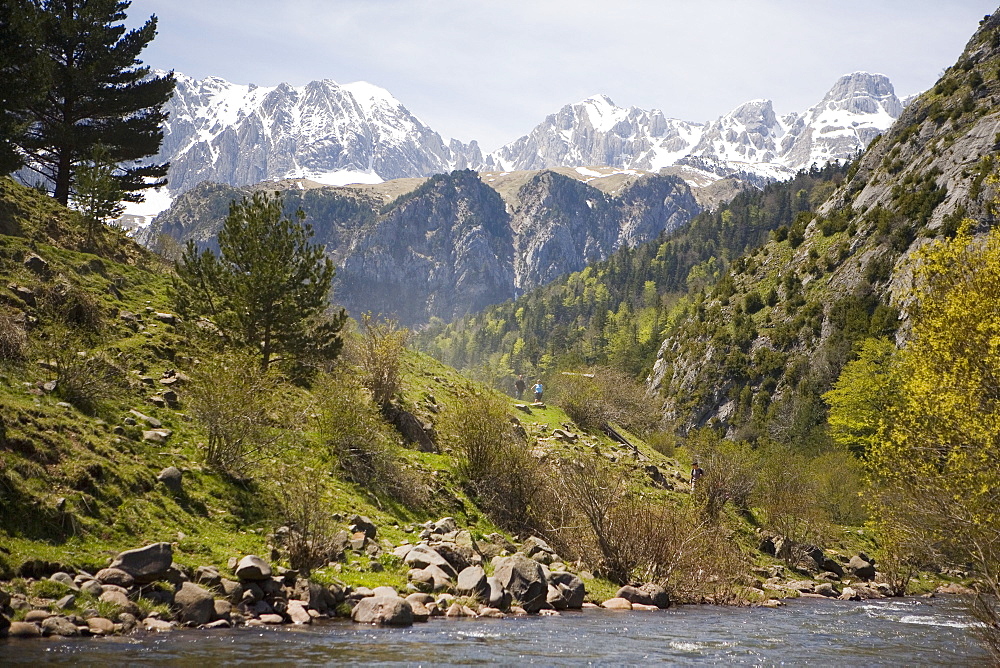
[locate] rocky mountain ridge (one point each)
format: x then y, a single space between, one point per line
452 244
756 352
359 133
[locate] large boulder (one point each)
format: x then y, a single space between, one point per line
861 568
252 568
500 598
385 610
472 582
115 576
524 579
145 564
569 587
422 556
364 525
59 626
195 605
457 557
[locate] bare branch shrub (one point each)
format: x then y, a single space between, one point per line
69 305
238 405
13 336
610 396
494 460
596 515
365 447
378 352
309 540
85 377
788 496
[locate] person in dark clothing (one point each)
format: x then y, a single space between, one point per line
696 473
519 386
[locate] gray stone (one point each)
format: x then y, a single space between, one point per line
59 626
121 600
67 601
297 612
92 587
500 598
524 579
145 564
155 625
384 591
223 609
24 630
115 576
37 616
195 605
101 626
386 610
208 576
826 589
233 591
253 568
570 587
171 478
66 579
151 421
861 569
472 582
422 556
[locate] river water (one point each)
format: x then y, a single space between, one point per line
893 632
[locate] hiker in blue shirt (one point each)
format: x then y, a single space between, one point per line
537 389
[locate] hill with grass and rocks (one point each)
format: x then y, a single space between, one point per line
441 497
755 351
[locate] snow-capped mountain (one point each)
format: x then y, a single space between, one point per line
359 133
333 133
751 138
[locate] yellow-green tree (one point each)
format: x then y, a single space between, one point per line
937 462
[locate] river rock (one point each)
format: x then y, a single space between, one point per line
861 569
297 612
208 576
421 613
154 625
115 576
524 579
145 564
233 591
24 630
570 587
59 626
66 579
422 556
121 600
385 610
92 587
37 616
223 609
67 601
617 603
826 589
384 591
472 582
195 605
100 626
252 568
500 598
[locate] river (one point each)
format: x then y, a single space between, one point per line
896 632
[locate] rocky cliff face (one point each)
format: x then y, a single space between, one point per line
755 353
451 244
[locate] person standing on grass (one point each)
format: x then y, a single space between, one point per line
519 386
537 389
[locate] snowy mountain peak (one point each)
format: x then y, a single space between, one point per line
863 93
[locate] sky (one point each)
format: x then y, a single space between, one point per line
491 71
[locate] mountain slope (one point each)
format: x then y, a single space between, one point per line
754 353
452 244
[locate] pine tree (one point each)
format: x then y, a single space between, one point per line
100 95
268 287
24 75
